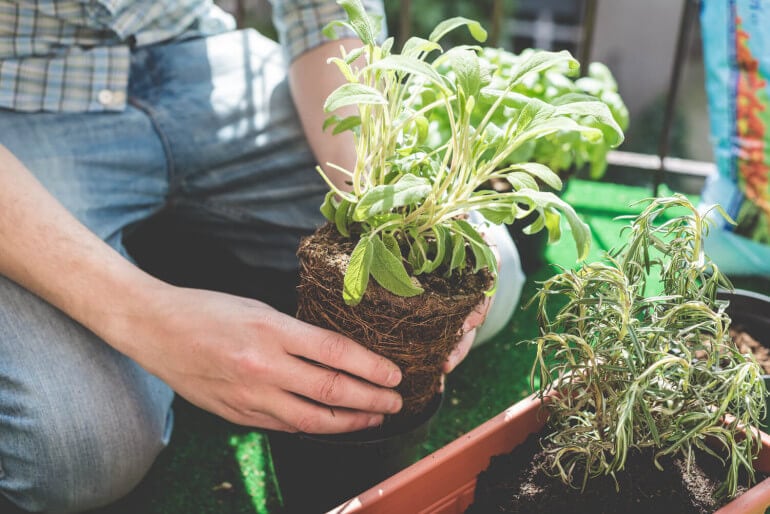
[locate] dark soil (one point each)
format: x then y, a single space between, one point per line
517 483
746 343
416 333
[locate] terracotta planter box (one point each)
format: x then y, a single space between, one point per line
444 482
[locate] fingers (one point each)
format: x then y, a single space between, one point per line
335 388
460 351
477 316
338 352
291 413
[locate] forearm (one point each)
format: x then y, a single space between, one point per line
46 250
312 79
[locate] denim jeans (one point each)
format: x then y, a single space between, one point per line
211 136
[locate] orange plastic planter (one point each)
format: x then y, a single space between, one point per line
444 481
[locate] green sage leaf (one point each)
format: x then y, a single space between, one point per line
353 94
388 270
357 274
409 190
446 26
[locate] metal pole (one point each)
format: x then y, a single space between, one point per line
689 13
587 34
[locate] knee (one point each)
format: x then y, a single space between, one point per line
74 461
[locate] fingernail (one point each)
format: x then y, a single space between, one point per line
375 421
394 377
395 404
466 327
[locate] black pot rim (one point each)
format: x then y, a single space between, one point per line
749 310
384 432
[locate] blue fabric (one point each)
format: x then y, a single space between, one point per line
209 133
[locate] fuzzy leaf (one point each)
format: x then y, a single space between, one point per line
409 190
458 253
347 123
598 111
328 209
389 271
542 172
357 275
408 65
465 65
542 60
391 243
353 94
414 46
482 254
443 238
362 24
446 26
341 217
520 180
498 212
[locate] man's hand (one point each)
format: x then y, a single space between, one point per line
232 356
255 366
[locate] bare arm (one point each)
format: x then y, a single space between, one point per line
232 356
312 79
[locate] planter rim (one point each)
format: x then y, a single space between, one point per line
430 487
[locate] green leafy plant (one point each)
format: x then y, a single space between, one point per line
566 150
408 201
646 371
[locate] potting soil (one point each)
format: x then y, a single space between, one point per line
519 482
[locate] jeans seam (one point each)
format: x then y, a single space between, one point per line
170 163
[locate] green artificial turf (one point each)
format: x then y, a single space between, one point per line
214 467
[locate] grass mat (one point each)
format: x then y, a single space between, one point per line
214 467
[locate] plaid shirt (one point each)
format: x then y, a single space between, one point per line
74 55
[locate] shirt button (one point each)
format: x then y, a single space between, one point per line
108 97
105 97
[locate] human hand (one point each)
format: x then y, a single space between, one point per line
474 320
253 365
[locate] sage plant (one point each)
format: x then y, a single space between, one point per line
408 202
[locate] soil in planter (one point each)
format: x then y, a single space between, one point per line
416 333
746 343
517 483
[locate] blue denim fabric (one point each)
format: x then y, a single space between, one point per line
210 135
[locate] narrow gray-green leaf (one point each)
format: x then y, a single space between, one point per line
446 26
353 94
357 274
409 190
389 271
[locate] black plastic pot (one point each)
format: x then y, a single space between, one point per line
750 312
318 472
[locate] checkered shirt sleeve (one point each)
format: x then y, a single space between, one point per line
299 22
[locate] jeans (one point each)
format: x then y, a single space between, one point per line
211 136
